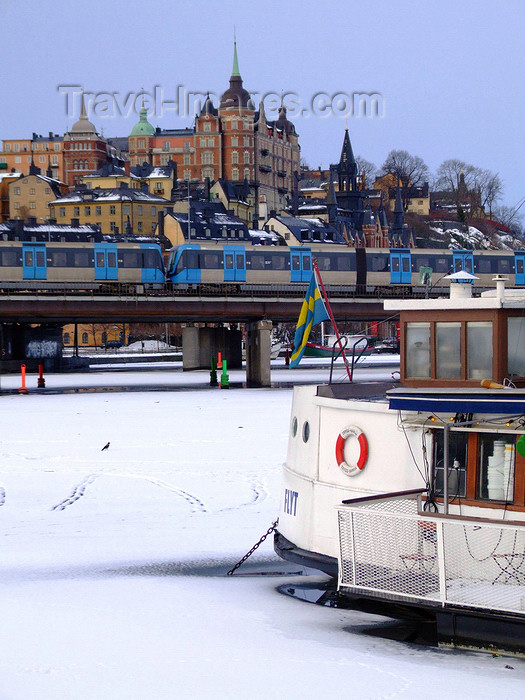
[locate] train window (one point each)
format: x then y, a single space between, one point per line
211 261
239 261
112 259
192 259
100 259
80 258
149 258
441 264
379 263
130 258
28 258
257 261
504 266
296 262
344 262
519 266
307 263
278 262
484 265
324 262
58 258
9 258
228 261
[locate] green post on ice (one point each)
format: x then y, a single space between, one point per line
225 383
213 373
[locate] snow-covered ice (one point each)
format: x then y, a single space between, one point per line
113 562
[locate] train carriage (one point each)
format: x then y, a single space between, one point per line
43 264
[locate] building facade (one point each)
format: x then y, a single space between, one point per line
232 141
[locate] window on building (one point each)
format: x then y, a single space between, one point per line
247 173
16 190
235 141
235 173
187 174
112 225
166 146
246 125
7 146
32 205
187 145
112 209
139 226
207 172
211 142
207 157
448 350
17 205
41 159
246 156
87 211
418 350
235 157
62 211
18 159
139 209
125 208
31 190
479 349
47 190
202 143
234 125
207 126
54 160
187 158
142 143
98 211
56 147
246 140
76 211
153 211
17 148
3 159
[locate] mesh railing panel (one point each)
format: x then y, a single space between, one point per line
402 555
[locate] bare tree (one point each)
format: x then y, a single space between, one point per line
367 169
453 174
410 171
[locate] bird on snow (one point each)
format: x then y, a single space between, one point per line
105 447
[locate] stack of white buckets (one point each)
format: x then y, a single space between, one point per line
500 472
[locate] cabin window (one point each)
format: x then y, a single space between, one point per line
294 426
496 457
457 463
479 349
448 350
306 431
516 346
84 338
418 350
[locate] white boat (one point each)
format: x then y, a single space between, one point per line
364 497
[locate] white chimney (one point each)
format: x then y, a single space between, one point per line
500 286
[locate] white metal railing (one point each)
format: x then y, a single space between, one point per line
389 548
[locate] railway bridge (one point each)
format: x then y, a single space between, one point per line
257 312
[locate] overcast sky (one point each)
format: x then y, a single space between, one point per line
447 75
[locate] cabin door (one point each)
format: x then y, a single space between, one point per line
400 267
34 261
300 264
519 267
106 267
234 264
463 260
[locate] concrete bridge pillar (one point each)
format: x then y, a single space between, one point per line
258 344
200 345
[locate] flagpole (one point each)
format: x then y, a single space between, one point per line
332 319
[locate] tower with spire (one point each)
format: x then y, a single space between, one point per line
85 150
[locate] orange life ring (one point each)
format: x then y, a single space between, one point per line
349 469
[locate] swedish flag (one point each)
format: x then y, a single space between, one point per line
313 311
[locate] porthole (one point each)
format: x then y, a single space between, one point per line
294 426
306 431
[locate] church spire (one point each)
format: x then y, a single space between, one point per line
235 69
347 167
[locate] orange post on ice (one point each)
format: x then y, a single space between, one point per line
41 382
219 360
23 389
